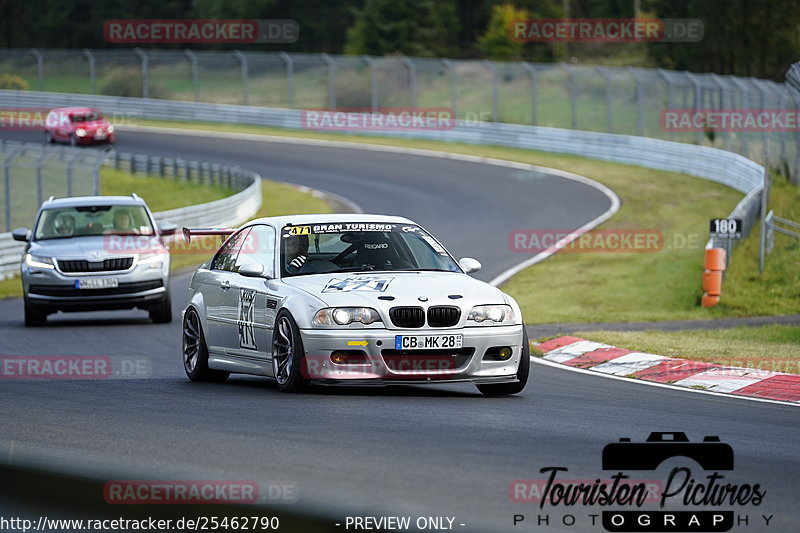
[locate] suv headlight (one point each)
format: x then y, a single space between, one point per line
37 261
498 314
110 128
342 316
80 132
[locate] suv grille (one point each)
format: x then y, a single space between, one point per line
426 360
407 317
107 265
443 316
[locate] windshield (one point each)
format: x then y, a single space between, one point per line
66 222
360 247
86 117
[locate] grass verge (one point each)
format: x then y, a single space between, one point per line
775 347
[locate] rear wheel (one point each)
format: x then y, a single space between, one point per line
505 389
195 351
34 317
287 354
48 138
162 314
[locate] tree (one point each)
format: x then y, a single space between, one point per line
424 28
498 42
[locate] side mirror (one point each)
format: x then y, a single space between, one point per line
21 234
469 264
166 228
254 270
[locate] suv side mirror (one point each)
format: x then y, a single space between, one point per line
254 270
166 228
469 264
21 234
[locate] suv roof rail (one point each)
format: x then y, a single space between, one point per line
135 196
50 199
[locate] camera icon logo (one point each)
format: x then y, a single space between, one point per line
710 454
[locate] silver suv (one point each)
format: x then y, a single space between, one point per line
94 253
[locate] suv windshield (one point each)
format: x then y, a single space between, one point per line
66 222
360 247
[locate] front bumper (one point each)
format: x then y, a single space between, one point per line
384 365
50 290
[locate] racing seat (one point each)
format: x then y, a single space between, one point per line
378 252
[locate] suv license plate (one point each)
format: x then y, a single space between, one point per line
96 283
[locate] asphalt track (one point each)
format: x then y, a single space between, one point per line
412 451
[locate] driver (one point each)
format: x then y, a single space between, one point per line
64 225
123 222
295 251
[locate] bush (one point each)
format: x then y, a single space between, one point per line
123 81
12 83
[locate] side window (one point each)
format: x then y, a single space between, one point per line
259 247
227 255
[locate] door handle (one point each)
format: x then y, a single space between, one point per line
225 284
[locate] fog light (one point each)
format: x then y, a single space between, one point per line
504 353
339 358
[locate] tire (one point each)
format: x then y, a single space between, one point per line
287 354
73 140
195 352
505 389
34 318
48 138
162 314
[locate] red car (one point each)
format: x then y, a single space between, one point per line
78 125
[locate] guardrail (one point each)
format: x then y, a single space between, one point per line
231 211
713 164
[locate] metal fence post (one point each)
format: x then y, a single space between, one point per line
573 95
195 74
145 72
607 85
698 101
7 184
534 89
639 107
39 183
668 81
289 77
92 71
331 79
495 111
453 85
412 79
373 82
39 67
245 75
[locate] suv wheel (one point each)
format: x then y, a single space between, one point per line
162 312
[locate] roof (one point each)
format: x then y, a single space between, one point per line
77 109
82 201
326 218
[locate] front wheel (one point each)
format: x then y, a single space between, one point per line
73 140
195 351
505 389
287 354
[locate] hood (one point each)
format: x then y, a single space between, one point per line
94 247
349 289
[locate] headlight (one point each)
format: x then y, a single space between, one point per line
37 261
151 260
110 129
341 316
493 313
80 132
